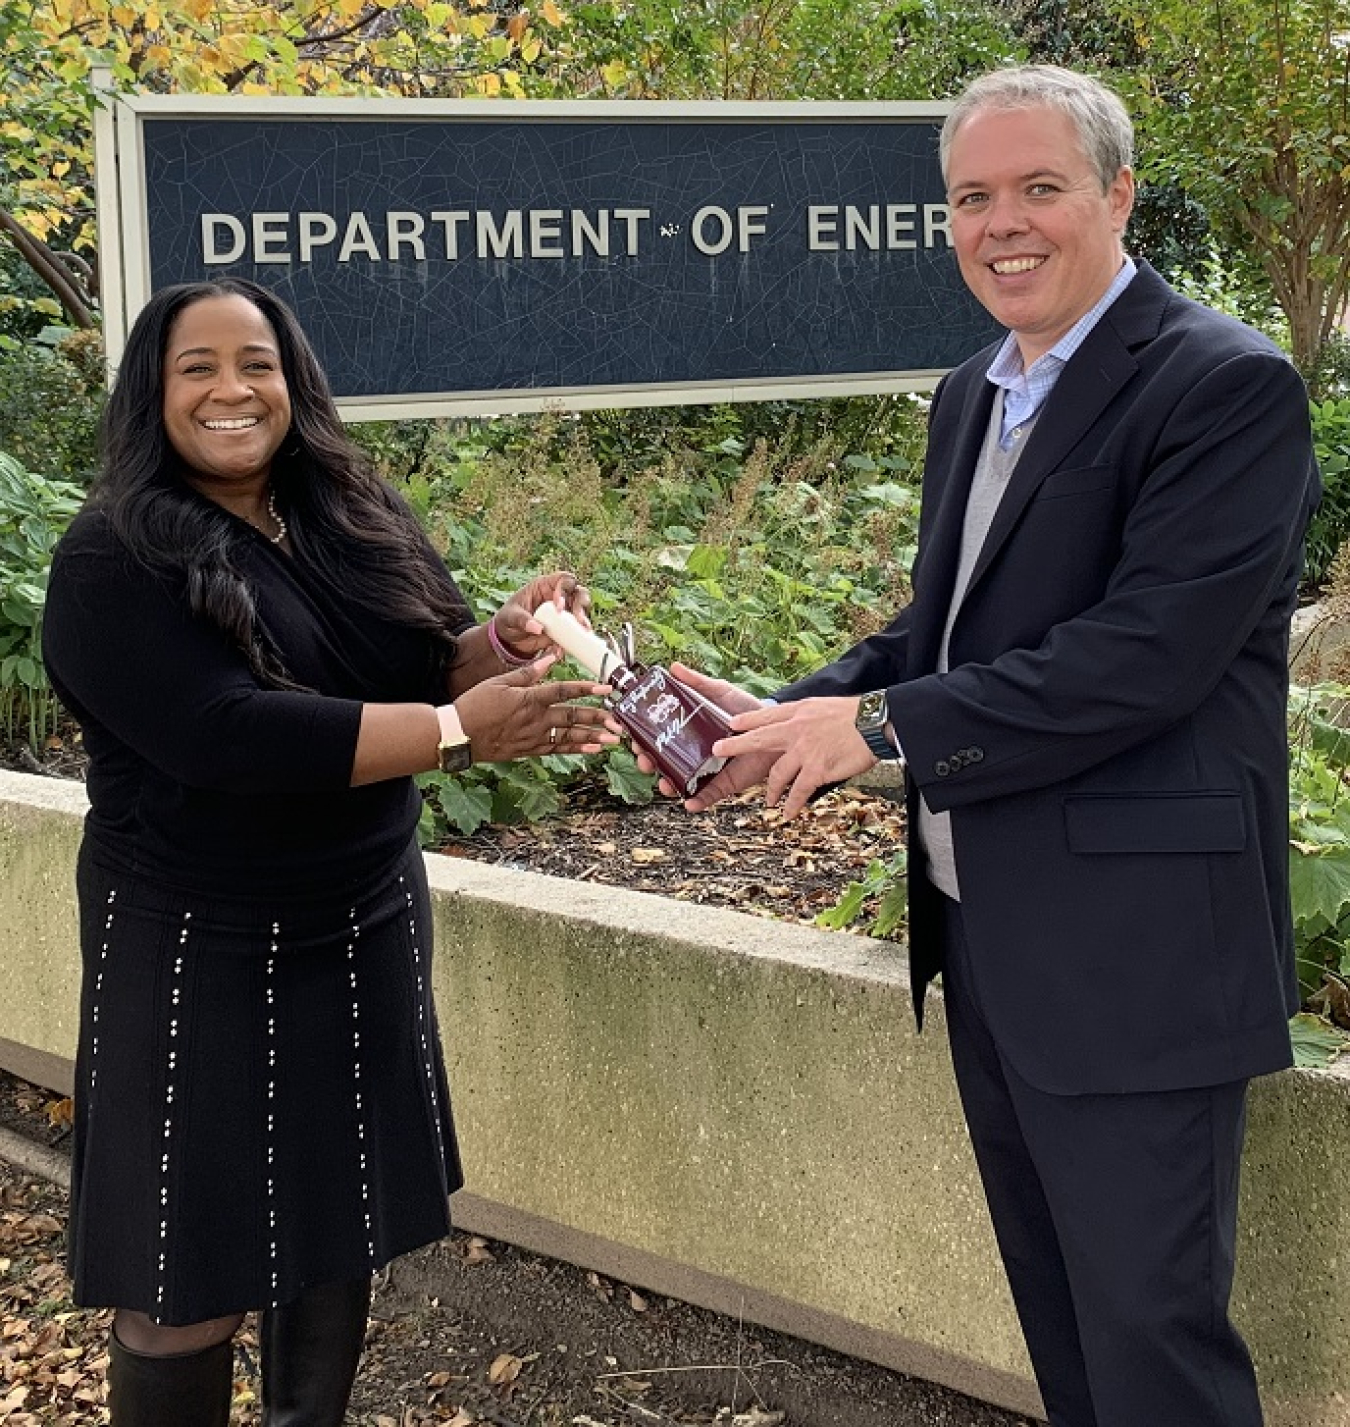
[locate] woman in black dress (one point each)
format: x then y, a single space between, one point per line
261 648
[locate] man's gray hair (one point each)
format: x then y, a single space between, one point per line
1096 112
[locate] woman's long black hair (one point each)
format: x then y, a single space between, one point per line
355 526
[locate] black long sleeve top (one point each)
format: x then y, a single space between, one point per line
201 778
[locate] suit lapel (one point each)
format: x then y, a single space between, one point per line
1089 382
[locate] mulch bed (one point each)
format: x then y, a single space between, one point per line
738 854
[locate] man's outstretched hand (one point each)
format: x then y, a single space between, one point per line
794 748
737 775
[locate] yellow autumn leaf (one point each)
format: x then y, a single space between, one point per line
531 49
199 9
123 15
552 14
615 73
156 55
488 84
479 25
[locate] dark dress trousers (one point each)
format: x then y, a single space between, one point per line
1110 742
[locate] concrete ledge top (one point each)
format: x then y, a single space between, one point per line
846 955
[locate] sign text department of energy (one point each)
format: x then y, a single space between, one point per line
479 256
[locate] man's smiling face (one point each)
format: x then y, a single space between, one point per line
1037 240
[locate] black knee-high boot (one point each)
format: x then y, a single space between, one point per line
180 1390
310 1349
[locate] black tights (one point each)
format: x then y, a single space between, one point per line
141 1334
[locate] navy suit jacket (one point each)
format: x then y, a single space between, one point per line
1111 738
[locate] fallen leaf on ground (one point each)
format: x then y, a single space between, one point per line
505 1368
756 1418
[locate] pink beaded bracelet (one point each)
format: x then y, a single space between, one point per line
512 661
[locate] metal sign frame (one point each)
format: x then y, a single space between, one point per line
125 240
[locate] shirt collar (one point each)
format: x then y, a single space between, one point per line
1007 371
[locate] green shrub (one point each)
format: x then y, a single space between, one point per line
756 564
34 512
50 401
1330 526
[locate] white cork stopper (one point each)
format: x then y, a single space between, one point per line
584 645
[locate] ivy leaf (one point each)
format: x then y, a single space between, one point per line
467 806
1316 1042
846 910
892 910
525 797
624 780
1319 886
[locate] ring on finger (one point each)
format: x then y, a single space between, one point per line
552 733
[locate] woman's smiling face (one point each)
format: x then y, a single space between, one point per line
227 408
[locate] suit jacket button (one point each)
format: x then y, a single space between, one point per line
975 754
942 768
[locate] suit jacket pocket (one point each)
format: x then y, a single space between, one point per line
1155 822
1081 481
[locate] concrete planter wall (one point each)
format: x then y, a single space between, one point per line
739 1113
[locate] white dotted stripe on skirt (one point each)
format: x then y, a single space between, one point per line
360 1101
98 993
175 1010
422 1027
269 1138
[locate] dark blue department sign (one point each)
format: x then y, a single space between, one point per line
439 257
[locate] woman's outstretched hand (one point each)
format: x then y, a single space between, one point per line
519 715
515 624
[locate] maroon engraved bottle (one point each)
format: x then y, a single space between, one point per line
671 723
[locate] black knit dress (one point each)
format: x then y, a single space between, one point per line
260 1103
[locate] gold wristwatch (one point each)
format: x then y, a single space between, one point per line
454 753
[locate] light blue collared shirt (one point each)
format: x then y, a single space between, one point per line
1025 389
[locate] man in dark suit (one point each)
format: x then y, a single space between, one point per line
1088 691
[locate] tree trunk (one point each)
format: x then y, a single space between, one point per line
49 268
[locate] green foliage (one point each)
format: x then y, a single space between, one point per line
877 902
51 397
777 49
34 512
621 440
1316 1042
1245 106
1319 842
27 306
1330 526
756 564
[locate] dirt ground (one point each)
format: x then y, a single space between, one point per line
465 1331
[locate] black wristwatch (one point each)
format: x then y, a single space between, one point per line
874 717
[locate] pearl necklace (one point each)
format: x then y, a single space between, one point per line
276 518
